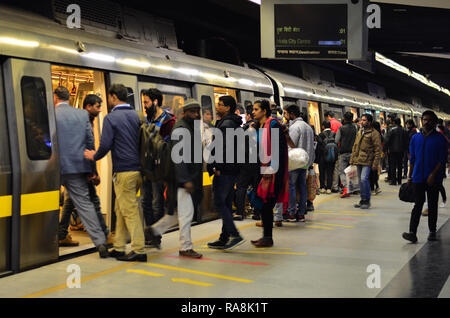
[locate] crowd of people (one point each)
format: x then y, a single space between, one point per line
240 188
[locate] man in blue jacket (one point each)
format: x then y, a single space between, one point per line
428 156
120 135
74 136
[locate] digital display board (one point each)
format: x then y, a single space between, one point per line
311 31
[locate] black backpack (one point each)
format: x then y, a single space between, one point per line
330 148
407 193
155 160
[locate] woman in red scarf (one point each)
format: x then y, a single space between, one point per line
274 185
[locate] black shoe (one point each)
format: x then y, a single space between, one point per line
133 257
300 218
238 217
358 205
114 253
309 207
365 205
410 237
233 242
334 191
256 217
219 244
103 251
152 240
432 236
392 183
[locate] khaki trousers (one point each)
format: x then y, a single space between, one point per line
126 186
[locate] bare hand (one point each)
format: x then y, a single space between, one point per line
217 173
430 180
89 154
95 179
189 187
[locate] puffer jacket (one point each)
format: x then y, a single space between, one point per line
367 148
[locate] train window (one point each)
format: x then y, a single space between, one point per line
173 104
35 116
5 164
130 99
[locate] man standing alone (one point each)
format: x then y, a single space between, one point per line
428 156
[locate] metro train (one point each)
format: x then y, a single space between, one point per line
37 55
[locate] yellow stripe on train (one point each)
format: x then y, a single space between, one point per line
39 202
5 206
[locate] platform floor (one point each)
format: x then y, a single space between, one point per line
328 256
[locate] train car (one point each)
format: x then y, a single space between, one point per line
37 55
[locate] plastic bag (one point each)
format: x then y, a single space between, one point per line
298 158
351 174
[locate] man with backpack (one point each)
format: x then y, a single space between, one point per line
345 138
329 150
153 200
396 142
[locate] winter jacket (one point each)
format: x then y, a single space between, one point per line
327 133
367 148
165 123
302 136
229 121
345 137
188 171
396 140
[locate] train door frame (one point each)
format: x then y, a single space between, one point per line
5 187
36 182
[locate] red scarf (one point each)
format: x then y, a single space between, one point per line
266 187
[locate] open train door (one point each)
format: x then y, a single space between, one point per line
34 161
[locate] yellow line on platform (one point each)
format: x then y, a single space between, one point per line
320 227
349 226
180 269
261 248
362 214
141 271
192 282
331 211
251 252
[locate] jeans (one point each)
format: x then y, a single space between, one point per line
343 163
432 195
69 207
77 187
153 202
297 176
245 178
223 187
364 183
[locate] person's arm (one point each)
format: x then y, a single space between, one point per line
377 149
338 137
106 142
412 159
353 149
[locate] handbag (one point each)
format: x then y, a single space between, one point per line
406 192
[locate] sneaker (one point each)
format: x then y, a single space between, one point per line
278 223
292 218
190 253
152 240
334 191
67 241
443 204
358 205
377 190
365 204
345 194
425 212
322 190
432 236
219 244
237 217
103 251
309 208
233 242
328 191
301 218
410 237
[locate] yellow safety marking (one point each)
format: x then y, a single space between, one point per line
319 227
207 181
349 226
251 252
189 281
331 211
5 206
141 271
326 200
119 268
199 273
39 202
